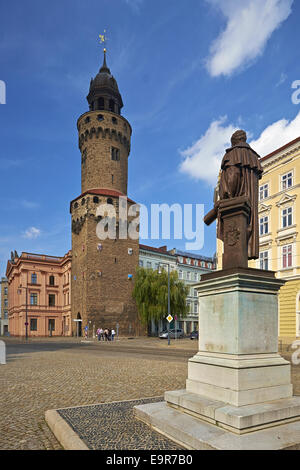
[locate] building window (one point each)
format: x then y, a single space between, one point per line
195 293
33 299
87 119
287 252
141 263
114 120
263 191
287 217
5 303
115 154
51 324
5 290
109 201
195 277
149 265
95 199
33 278
264 260
180 274
51 300
180 259
188 276
264 225
51 280
5 314
33 324
196 307
100 117
287 180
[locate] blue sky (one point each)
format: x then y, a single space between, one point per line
190 73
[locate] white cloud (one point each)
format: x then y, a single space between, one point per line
32 233
29 204
134 4
276 135
250 23
202 160
283 78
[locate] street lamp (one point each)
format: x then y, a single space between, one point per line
169 305
26 311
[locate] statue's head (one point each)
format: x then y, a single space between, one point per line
238 136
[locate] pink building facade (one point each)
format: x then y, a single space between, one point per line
39 293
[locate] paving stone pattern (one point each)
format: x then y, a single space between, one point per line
112 426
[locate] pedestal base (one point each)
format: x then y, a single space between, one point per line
195 434
241 419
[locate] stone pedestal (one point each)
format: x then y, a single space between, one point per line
235 215
237 381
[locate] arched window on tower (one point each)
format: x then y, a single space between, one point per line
109 200
111 106
101 103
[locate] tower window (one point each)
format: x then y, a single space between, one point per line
114 120
111 106
112 179
75 205
101 103
87 119
95 199
109 200
115 154
83 202
51 280
100 117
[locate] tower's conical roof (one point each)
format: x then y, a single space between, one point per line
104 85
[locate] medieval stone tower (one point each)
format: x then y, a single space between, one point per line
103 269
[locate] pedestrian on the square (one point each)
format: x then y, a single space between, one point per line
112 334
109 334
86 331
98 334
101 334
106 334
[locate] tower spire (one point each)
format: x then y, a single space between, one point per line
103 40
104 68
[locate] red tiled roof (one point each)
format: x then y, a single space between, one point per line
158 250
103 192
280 149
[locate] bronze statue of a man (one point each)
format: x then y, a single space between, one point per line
240 172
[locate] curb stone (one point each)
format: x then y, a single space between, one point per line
68 438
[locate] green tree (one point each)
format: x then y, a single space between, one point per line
151 295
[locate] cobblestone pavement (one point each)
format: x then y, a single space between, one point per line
60 373
51 374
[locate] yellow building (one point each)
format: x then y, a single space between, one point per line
279 226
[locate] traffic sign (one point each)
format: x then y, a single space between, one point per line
169 318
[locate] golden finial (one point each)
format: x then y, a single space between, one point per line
103 40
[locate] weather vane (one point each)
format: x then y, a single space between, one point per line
103 39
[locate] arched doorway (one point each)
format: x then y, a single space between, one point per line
79 325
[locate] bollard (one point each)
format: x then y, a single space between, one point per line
2 353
